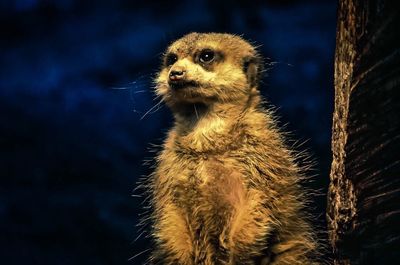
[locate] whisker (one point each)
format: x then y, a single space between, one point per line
120 88
151 109
139 91
138 254
139 235
195 110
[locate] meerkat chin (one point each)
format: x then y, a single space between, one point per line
226 189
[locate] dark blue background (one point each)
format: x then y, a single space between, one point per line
75 79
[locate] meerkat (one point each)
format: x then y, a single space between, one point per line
226 188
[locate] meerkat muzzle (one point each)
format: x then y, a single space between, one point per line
176 74
177 79
182 84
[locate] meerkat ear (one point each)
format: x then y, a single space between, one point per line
252 67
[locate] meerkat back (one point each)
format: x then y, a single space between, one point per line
226 189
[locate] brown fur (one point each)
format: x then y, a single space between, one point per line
226 188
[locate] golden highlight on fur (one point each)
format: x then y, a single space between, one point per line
226 189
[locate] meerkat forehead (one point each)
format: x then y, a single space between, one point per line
225 43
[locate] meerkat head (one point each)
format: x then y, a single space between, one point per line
207 68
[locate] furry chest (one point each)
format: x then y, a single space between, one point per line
206 182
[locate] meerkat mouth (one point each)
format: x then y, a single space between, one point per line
182 84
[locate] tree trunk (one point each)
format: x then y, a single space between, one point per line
364 194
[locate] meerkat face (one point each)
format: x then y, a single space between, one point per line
206 68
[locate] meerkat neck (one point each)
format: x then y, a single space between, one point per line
203 127
195 116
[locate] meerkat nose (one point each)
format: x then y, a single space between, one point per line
176 74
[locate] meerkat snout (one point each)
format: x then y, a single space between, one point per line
178 77
176 74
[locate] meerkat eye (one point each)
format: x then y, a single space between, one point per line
206 56
171 59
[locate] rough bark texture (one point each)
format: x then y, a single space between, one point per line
364 193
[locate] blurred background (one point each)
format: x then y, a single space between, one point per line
75 83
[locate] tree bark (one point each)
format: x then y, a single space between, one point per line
364 194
